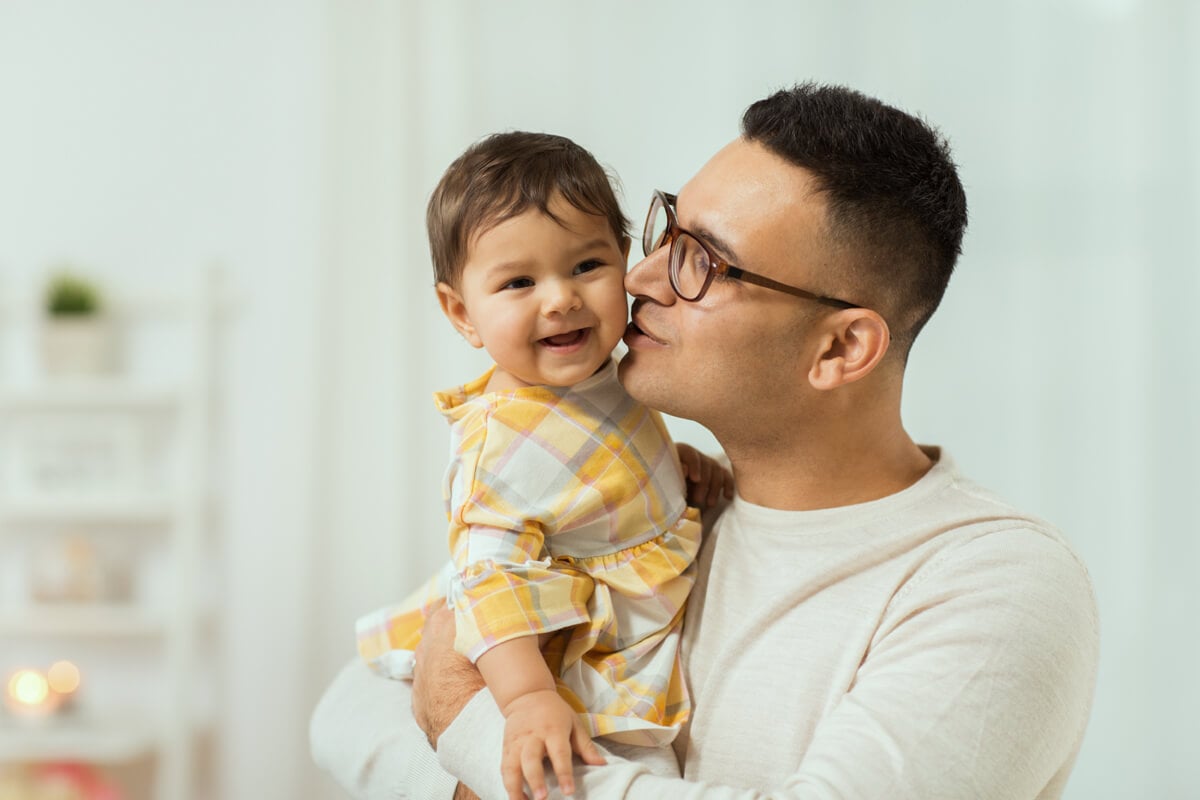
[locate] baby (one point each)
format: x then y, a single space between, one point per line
571 537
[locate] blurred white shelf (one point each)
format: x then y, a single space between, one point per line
162 426
87 620
25 307
88 395
127 510
71 738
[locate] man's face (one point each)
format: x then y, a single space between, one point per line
740 350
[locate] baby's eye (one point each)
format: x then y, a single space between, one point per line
518 283
588 266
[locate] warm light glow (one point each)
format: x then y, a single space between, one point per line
28 687
63 677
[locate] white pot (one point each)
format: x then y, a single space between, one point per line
78 346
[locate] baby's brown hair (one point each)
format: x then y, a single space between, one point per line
504 175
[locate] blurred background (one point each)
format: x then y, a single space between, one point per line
218 446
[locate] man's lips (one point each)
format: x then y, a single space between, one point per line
635 330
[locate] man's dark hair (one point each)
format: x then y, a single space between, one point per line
896 207
504 175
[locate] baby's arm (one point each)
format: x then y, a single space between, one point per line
707 479
538 722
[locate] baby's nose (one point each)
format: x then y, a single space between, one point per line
560 298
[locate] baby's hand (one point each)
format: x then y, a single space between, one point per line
540 724
707 479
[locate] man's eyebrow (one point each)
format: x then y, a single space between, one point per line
719 245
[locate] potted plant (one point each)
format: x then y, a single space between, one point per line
77 334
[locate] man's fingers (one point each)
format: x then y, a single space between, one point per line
689 459
716 487
559 751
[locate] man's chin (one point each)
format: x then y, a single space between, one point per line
633 372
625 364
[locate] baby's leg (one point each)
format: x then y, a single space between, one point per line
388 636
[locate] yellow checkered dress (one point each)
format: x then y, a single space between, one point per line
567 515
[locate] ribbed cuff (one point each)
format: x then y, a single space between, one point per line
473 745
426 778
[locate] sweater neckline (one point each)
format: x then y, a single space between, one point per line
792 523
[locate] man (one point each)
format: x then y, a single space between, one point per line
867 623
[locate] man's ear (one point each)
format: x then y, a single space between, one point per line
456 311
851 346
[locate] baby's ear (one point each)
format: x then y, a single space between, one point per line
455 310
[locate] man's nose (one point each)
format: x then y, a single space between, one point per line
648 278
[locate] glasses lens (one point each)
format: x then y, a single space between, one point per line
654 235
690 265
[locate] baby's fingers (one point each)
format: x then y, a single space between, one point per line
559 751
535 773
585 747
510 771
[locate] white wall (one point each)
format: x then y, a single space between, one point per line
297 143
1062 369
144 141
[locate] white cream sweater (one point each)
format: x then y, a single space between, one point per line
936 643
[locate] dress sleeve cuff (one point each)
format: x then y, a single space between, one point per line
472 746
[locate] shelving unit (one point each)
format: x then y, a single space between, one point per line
96 741
170 514
141 510
83 620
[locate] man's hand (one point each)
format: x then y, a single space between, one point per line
443 680
707 479
463 793
539 725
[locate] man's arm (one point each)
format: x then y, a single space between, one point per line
363 735
976 688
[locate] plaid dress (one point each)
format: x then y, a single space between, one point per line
568 517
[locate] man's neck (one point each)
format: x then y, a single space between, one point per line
826 469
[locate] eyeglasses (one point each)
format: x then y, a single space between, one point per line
693 264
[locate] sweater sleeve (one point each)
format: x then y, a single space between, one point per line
978 684
362 733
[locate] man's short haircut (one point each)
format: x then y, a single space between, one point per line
896 208
504 175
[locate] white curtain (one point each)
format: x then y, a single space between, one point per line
1062 370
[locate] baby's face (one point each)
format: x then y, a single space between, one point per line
547 300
